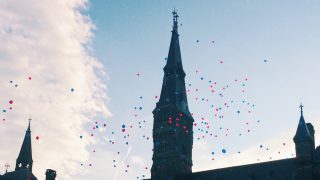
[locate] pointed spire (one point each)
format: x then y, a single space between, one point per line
302 130
174 62
173 90
24 160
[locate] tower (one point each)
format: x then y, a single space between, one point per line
304 143
51 174
24 160
173 122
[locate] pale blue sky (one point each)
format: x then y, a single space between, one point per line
133 37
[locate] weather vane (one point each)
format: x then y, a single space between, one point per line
7 166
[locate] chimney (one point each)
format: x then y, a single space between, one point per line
51 174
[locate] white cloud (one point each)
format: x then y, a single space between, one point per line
253 153
48 41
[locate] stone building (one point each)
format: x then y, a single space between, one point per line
173 137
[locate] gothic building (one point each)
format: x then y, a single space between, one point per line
24 162
173 137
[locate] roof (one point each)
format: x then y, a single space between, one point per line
280 169
22 174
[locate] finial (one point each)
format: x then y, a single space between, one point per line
301 108
175 16
175 20
7 166
29 122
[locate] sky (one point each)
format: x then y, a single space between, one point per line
96 67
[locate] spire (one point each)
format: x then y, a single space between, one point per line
302 130
24 160
173 90
174 61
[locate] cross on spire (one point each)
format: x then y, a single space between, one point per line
301 108
29 122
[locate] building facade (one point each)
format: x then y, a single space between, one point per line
24 162
173 137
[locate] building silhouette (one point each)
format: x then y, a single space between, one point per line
173 137
24 162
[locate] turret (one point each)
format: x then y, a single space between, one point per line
304 142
